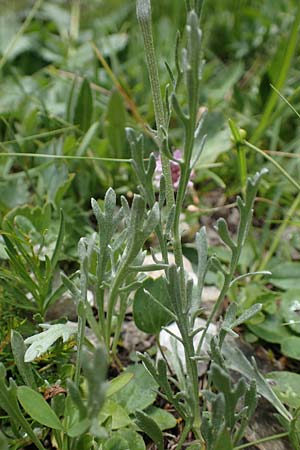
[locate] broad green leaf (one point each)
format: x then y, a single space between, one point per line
54 181
41 342
291 347
78 428
36 406
14 192
133 439
148 315
271 329
19 349
224 441
118 383
9 403
39 217
139 392
290 309
163 418
286 386
150 427
118 414
286 275
115 126
63 188
84 107
3 442
116 443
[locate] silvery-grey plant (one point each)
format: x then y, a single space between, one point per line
212 415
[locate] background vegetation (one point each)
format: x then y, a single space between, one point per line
73 76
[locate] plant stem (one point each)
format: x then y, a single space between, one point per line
262 440
144 18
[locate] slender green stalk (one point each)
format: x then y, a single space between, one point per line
144 17
273 98
262 440
47 156
275 163
39 135
20 32
286 101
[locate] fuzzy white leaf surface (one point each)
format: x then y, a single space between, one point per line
41 342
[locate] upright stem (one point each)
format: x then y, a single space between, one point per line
144 18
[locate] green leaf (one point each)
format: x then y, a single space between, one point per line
78 427
163 418
37 407
290 309
133 439
271 330
148 315
117 412
286 386
9 403
139 392
150 427
95 370
84 107
19 349
248 314
59 241
224 441
118 383
87 139
116 443
3 442
291 347
286 275
115 126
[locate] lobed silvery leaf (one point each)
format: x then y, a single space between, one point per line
126 209
202 248
41 342
236 360
223 231
110 201
178 110
197 152
152 220
170 222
